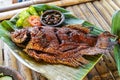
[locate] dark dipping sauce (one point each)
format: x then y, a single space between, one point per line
52 18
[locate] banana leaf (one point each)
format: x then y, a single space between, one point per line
52 71
115 29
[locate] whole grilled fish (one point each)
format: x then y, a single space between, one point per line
65 45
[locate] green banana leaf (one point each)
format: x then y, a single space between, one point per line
51 71
115 28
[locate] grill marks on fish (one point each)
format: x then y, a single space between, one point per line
65 45
71 61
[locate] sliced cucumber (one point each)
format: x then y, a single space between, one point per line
7 25
22 16
6 78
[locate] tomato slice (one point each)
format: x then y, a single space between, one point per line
34 20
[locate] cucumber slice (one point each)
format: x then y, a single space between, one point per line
22 16
7 25
19 22
6 78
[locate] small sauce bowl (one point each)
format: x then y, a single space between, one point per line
52 18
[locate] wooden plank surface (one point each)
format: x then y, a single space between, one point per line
98 13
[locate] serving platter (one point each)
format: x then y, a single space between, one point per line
52 72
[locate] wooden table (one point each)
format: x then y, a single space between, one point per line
98 13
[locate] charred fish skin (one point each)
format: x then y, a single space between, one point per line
65 45
19 36
75 61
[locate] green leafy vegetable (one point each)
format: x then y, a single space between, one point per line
40 13
116 30
32 11
22 16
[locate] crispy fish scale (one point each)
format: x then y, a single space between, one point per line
38 47
65 46
51 37
80 37
74 35
72 52
46 43
40 56
76 56
52 59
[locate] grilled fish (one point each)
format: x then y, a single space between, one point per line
65 45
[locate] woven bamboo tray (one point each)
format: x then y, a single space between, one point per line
98 13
